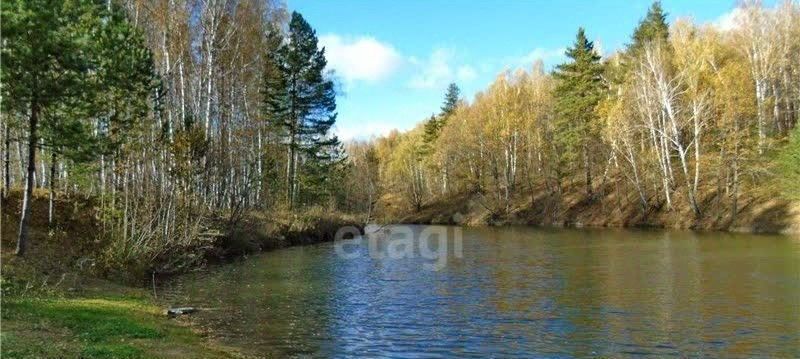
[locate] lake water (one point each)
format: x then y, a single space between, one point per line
514 292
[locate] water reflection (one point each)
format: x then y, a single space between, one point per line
517 292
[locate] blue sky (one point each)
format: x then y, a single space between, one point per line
395 58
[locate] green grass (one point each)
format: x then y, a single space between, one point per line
107 327
52 307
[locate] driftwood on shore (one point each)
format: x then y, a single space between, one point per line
174 312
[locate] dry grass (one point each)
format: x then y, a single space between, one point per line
760 210
261 231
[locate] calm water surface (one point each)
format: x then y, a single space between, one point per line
516 292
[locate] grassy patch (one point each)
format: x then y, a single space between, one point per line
111 327
93 320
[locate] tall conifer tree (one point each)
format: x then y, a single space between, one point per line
451 98
63 63
578 91
435 124
653 28
301 103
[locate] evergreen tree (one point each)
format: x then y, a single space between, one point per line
321 175
63 61
124 80
301 103
653 28
578 91
435 124
430 133
43 66
451 99
275 113
274 88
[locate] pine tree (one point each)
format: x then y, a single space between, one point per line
578 91
451 99
43 66
653 28
435 124
274 88
63 62
275 100
301 103
124 79
322 174
431 130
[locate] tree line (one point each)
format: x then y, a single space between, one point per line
168 113
685 117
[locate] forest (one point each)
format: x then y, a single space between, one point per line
689 122
175 116
150 149
169 117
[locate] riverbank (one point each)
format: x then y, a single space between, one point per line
100 320
77 238
762 213
55 308
68 298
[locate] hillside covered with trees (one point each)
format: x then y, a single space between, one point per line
141 140
687 126
168 123
173 122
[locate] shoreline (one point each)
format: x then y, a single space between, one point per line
757 216
52 291
643 227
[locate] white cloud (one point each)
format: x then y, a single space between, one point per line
439 69
539 53
466 73
434 71
363 131
360 58
729 20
